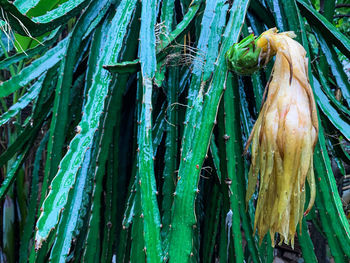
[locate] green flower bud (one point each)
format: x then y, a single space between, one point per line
243 57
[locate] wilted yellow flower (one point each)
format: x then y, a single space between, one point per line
283 139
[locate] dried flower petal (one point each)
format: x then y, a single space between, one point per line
283 139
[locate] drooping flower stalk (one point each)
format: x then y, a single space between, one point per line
284 135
